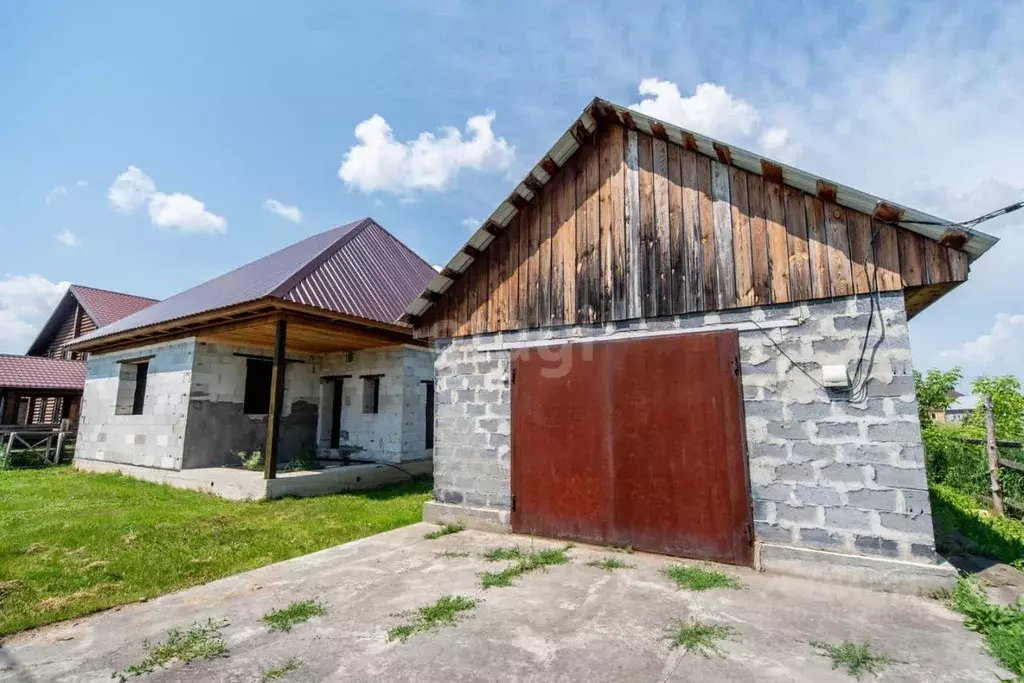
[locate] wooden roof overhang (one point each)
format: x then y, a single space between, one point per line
311 329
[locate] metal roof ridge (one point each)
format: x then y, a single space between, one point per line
315 261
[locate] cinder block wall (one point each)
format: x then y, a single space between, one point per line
825 473
217 426
153 439
397 432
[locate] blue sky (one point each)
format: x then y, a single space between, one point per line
232 104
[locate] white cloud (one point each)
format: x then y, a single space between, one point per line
292 213
69 238
26 301
471 224
81 183
55 194
711 110
1003 343
437 268
379 163
134 189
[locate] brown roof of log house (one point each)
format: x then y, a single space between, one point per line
601 113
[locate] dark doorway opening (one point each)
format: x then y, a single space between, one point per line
339 383
429 415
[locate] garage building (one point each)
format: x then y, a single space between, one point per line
664 342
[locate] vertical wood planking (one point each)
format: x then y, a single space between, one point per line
911 258
706 205
662 236
627 275
479 272
725 262
514 231
887 256
543 292
693 255
799 258
555 251
567 241
936 262
778 241
612 184
533 264
647 289
838 239
817 246
464 311
494 305
678 275
593 275
741 243
862 263
525 286
758 240
958 265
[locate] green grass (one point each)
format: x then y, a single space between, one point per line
698 579
858 659
295 613
276 673
450 554
610 564
1002 627
445 530
75 542
444 612
200 641
524 562
698 637
998 537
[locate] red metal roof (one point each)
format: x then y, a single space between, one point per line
358 269
105 307
33 372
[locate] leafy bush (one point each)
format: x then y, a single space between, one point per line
999 537
23 458
1002 627
301 462
251 460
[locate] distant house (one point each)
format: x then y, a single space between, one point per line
45 385
299 353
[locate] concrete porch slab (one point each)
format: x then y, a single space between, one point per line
234 483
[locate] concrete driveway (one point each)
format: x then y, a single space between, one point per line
569 622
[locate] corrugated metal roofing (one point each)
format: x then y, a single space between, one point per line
101 305
33 372
106 307
588 122
358 269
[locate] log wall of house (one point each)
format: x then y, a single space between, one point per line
634 226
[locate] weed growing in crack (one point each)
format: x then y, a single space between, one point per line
295 613
610 564
444 612
445 530
276 673
857 659
450 554
1002 626
699 637
200 641
698 579
524 561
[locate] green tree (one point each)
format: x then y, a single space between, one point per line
1007 406
934 391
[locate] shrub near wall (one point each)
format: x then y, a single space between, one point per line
999 537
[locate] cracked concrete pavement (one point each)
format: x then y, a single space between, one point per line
568 622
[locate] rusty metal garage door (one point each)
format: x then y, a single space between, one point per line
634 443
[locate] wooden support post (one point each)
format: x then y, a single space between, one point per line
62 434
993 456
276 400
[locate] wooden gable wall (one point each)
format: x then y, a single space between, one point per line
633 226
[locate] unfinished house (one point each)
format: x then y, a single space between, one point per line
45 385
665 342
298 355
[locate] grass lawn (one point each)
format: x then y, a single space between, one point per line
74 542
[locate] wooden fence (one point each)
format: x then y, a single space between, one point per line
50 440
995 463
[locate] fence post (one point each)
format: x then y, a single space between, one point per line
993 456
61 436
